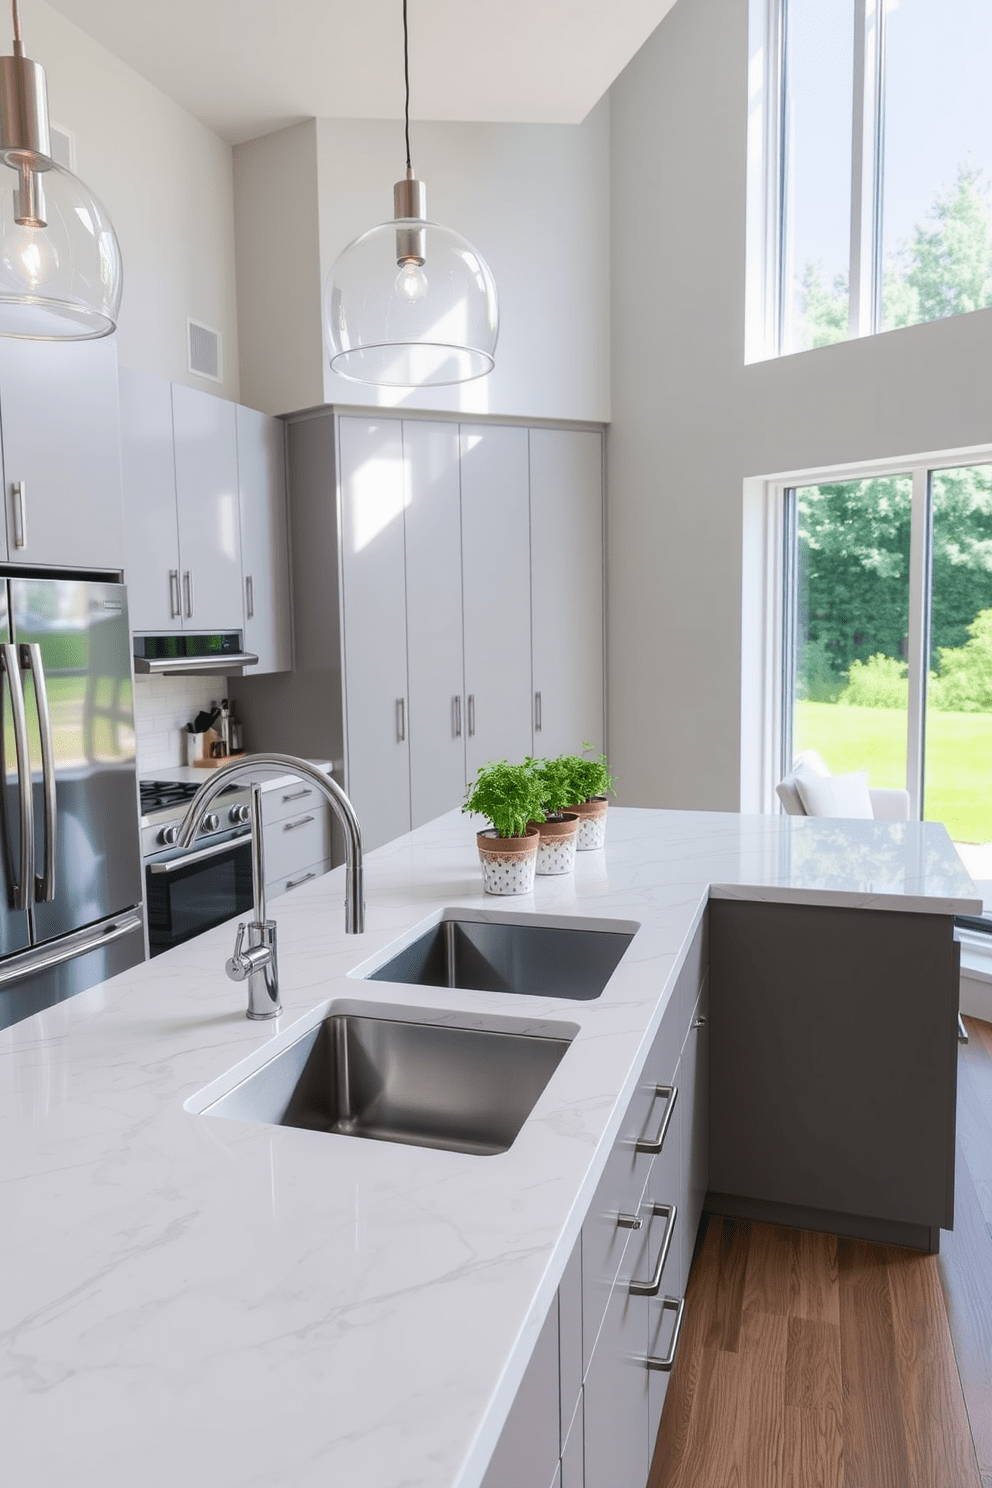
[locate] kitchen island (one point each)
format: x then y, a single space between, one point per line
188 1299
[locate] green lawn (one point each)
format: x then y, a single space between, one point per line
958 755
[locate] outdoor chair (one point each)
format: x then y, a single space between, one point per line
810 790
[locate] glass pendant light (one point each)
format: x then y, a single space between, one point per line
410 303
60 262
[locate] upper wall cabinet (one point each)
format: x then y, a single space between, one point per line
61 454
205 517
264 539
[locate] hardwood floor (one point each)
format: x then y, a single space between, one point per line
809 1361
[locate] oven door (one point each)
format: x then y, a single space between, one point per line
189 892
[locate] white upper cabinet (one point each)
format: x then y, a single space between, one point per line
566 514
434 619
150 521
61 453
496 557
373 497
264 539
207 503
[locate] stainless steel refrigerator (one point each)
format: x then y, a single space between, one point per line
70 862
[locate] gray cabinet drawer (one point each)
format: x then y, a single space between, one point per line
295 798
296 879
296 841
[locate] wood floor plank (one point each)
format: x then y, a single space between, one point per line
813 1375
875 1452
764 1345
965 1267
814 1448
817 1295
727 1249
940 1450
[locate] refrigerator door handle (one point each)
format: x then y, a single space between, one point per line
21 887
44 884
68 947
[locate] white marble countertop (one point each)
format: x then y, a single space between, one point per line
269 779
187 1299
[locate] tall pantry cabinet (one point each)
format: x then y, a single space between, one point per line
450 565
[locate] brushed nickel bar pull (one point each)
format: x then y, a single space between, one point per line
175 597
20 516
249 596
665 1361
456 714
962 1031
538 713
471 714
24 884
400 720
648 1144
699 1022
44 884
628 1221
294 883
651 1288
298 795
300 822
190 594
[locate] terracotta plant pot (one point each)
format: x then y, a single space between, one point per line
556 853
508 862
592 822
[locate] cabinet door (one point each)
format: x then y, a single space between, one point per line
373 493
695 1126
61 453
526 1454
151 530
207 502
566 513
496 593
615 1393
434 619
264 539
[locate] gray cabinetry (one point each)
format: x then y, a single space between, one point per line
296 822
61 454
151 522
528 1451
207 504
833 1060
264 539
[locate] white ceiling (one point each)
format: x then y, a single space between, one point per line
246 67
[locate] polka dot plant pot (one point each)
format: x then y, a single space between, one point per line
592 823
556 853
508 862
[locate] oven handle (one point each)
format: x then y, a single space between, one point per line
173 865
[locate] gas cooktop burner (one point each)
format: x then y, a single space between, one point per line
157 795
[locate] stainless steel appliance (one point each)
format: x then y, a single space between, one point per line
70 872
189 890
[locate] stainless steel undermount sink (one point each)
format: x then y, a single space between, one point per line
511 953
426 1084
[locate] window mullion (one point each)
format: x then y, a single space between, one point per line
918 639
865 168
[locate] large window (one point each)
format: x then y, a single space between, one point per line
870 167
888 645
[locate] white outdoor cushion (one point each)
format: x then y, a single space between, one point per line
889 803
810 760
788 794
834 795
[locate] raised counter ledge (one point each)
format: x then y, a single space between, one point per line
190 1299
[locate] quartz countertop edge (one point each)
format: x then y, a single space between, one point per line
265 1306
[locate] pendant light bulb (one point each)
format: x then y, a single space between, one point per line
411 283
60 262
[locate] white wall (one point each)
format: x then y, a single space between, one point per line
533 199
166 181
691 422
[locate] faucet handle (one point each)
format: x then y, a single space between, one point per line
236 967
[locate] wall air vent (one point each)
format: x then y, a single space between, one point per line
63 147
203 350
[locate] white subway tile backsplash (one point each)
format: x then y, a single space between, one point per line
162 708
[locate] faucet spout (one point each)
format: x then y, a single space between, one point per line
254 962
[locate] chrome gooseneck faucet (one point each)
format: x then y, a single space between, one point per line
258 964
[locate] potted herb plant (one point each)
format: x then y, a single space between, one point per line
510 797
589 781
556 853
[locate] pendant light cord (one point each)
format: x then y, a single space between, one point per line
406 79
18 48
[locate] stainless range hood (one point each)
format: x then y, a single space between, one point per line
192 656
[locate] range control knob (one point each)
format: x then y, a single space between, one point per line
238 815
210 822
167 836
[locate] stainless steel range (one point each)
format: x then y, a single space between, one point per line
188 891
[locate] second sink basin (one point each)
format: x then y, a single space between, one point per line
420 1083
510 953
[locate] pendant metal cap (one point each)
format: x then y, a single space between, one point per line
24 108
